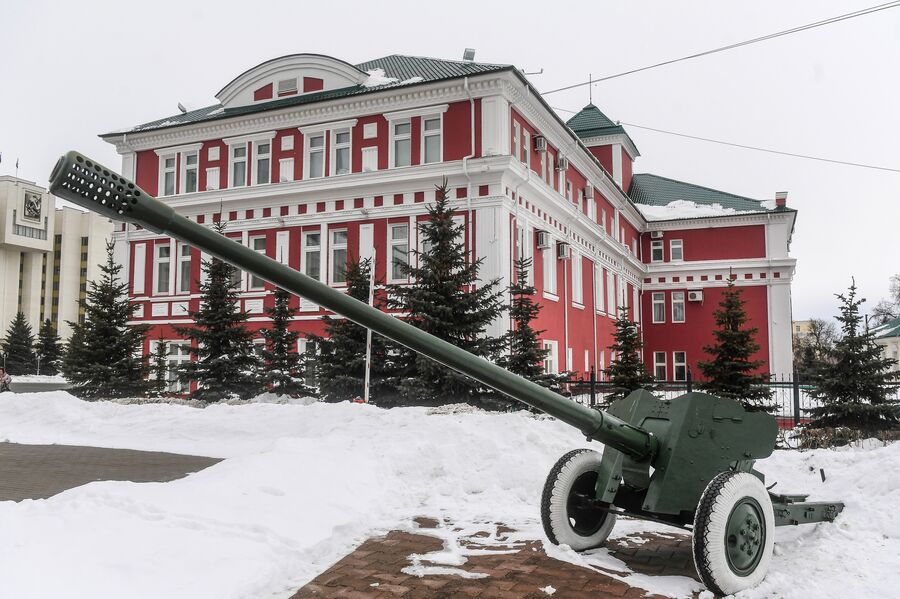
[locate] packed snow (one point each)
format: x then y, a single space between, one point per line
302 485
688 209
377 77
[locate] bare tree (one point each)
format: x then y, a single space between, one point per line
888 309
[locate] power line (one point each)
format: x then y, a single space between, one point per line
759 149
837 19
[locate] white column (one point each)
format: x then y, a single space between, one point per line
492 243
780 339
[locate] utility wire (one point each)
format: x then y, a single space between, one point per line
759 149
837 19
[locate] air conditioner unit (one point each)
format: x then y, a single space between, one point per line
656 234
589 191
562 250
562 163
695 295
540 143
543 239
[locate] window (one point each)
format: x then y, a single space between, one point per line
544 165
184 268
603 219
287 87
262 163
679 365
312 255
551 357
177 353
656 251
549 261
678 306
676 250
163 258
238 166
401 143
526 146
569 190
258 244
212 178
610 294
370 159
340 165
591 209
659 307
598 288
168 175
315 156
190 172
339 256
399 241
285 170
659 365
308 349
515 140
431 139
577 280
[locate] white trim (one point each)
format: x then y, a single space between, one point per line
439 134
657 298
672 244
194 147
333 247
551 358
675 366
322 127
254 166
333 148
657 364
398 115
184 169
393 137
307 152
683 303
391 242
213 170
250 137
139 269
285 165
164 170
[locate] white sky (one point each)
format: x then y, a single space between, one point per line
73 70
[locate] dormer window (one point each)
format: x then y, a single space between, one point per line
287 87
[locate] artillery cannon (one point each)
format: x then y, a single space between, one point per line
687 462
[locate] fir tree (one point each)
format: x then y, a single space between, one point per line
731 371
341 363
225 364
282 373
103 358
48 348
160 368
18 347
627 372
447 299
854 387
525 355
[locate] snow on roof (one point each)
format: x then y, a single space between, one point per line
686 209
377 77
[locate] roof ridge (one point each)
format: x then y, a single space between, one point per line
489 64
728 193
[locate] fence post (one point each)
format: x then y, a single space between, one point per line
593 387
690 380
796 385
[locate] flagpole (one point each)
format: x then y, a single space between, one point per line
369 331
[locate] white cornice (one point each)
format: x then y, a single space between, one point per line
709 222
398 115
176 149
317 128
613 138
243 139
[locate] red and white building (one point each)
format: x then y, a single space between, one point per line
314 161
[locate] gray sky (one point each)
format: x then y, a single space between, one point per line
73 70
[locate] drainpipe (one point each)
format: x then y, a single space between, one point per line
466 159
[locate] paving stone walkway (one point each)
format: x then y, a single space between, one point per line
41 471
385 567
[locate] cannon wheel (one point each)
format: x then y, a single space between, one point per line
568 511
733 533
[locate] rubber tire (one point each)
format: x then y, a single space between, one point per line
722 493
554 515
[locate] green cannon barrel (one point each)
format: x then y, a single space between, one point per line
82 181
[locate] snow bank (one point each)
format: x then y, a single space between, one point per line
303 485
688 209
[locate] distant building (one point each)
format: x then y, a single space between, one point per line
800 329
47 255
888 337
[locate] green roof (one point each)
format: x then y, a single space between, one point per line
590 122
889 329
653 190
401 68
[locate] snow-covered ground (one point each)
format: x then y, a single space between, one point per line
302 485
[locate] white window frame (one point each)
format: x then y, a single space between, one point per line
213 176
551 356
184 261
676 364
333 248
234 161
285 165
306 250
591 209
549 268
308 150
335 148
569 190
255 283
526 148
391 244
516 129
657 365
599 298
369 159
184 171
657 300
678 299
394 138
257 156
679 244
657 245
577 280
173 362
166 170
611 307
158 261
439 133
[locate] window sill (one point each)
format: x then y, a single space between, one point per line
550 296
577 305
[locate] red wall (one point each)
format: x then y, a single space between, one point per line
626 170
714 243
604 155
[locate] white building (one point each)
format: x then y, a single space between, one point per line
888 337
47 255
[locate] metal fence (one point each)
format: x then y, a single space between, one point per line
789 396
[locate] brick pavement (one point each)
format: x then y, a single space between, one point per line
40 471
376 569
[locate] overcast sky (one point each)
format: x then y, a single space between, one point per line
73 70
